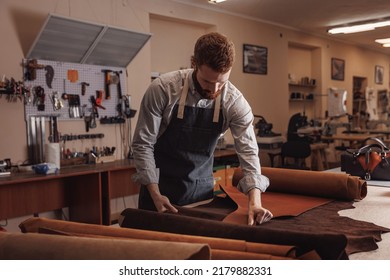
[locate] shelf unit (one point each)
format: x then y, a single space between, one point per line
304 91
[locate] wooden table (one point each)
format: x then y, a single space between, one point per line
354 139
85 189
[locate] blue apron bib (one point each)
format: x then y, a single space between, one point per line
184 154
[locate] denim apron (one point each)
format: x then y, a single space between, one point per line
184 153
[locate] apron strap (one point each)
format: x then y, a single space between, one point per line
217 108
182 103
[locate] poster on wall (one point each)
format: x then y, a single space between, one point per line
338 67
379 74
255 59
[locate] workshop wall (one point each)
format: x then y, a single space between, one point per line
20 22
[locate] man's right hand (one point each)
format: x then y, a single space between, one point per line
161 202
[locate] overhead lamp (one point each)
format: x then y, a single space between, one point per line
359 27
385 42
216 1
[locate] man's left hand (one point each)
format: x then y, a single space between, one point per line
256 213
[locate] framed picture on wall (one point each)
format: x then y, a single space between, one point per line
338 68
379 71
255 59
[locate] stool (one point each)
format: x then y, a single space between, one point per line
318 156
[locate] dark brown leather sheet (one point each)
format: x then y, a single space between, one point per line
304 207
361 236
327 246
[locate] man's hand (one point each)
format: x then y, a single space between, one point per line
160 201
256 213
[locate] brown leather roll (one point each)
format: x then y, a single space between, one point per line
332 185
45 225
32 246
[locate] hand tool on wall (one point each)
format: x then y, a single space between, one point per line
32 66
74 105
49 75
54 135
87 120
39 98
84 86
107 82
111 78
99 99
55 99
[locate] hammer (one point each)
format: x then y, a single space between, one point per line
107 82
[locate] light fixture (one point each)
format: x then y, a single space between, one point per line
216 1
359 27
385 42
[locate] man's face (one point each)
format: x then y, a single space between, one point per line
210 81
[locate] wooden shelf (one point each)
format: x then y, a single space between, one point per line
301 85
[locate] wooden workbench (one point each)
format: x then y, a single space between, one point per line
85 189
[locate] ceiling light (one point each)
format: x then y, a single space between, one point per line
385 42
359 27
216 1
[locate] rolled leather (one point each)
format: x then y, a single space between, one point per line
45 225
331 185
32 246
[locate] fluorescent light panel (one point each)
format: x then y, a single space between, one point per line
216 1
359 27
385 42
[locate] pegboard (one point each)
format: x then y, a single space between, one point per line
91 74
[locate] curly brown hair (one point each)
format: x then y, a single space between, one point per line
214 50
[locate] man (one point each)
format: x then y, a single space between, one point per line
182 115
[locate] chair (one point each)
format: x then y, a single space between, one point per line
296 150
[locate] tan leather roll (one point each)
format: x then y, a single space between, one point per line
32 246
332 185
45 225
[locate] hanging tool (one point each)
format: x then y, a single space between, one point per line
39 98
57 103
98 100
54 135
49 75
74 105
107 82
32 66
84 86
110 79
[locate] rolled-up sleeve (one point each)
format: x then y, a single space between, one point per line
240 121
